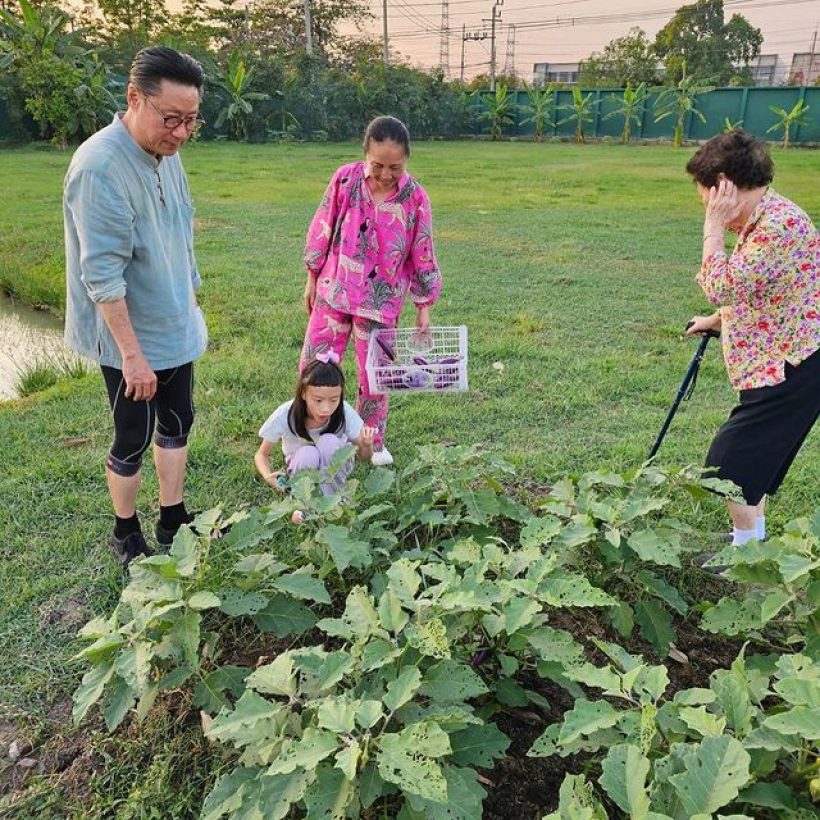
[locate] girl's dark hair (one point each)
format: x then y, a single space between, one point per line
744 159
154 64
317 374
387 128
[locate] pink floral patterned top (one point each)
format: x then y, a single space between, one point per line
769 293
367 256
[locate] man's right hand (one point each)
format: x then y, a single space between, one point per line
310 294
140 380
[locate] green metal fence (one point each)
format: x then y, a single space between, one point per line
748 106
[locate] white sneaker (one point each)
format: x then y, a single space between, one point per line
381 458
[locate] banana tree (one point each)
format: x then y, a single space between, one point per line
237 82
500 108
797 116
581 111
679 100
632 103
539 101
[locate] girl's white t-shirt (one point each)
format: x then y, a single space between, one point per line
276 428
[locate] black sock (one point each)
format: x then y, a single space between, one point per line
126 526
173 517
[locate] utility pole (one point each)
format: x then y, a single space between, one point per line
308 28
496 16
444 43
473 35
386 54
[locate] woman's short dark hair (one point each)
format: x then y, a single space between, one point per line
154 64
382 129
744 159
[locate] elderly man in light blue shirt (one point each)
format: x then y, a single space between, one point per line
131 280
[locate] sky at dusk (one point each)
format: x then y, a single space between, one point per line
567 31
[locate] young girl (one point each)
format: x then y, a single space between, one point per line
313 426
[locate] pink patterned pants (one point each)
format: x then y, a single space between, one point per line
330 329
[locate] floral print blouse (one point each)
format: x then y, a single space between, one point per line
768 291
365 256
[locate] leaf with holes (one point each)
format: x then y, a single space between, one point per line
714 773
306 753
624 778
235 602
565 589
329 796
450 681
407 758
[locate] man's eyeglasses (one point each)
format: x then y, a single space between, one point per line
172 121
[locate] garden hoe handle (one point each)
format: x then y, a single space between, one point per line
688 379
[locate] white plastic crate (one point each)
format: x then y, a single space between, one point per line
407 359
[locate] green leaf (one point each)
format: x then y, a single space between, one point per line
321 670
579 532
393 618
731 617
208 694
799 691
402 689
556 645
344 550
801 720
699 720
714 773
695 697
769 795
302 584
624 777
585 718
329 796
226 795
239 725
622 617
450 681
464 797
518 613
91 689
360 614
479 745
655 624
347 760
404 578
406 758
577 801
664 591
235 602
379 652
368 713
119 698
306 753
203 600
773 603
278 793
284 616
566 589
429 638
651 546
276 678
733 698
337 714
540 531
379 481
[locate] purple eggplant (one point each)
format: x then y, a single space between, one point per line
420 360
387 347
419 379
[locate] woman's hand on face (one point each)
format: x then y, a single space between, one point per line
423 318
723 207
701 325
310 294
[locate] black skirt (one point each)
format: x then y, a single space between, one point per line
759 441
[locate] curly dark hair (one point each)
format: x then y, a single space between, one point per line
744 159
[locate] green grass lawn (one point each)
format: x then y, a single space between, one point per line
573 266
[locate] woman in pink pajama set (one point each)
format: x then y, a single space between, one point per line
370 242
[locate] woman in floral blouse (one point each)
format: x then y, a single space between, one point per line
369 244
768 297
